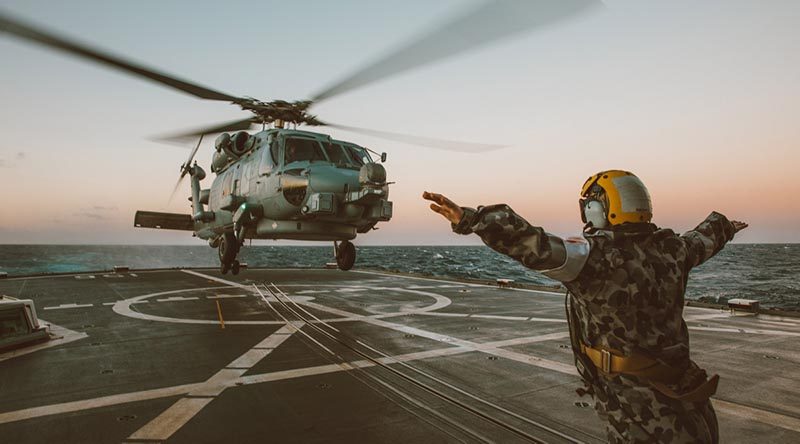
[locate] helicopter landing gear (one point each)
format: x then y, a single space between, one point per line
345 255
228 249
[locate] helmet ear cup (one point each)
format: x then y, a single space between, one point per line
594 213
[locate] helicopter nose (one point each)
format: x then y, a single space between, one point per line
372 174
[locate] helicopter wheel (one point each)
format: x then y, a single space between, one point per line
228 248
345 255
235 267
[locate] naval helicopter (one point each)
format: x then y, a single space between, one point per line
289 183
282 184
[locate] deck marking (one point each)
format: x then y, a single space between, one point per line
178 299
86 404
452 282
500 317
756 414
778 323
66 306
226 296
176 416
535 319
123 307
700 317
445 315
172 419
519 357
724 407
747 330
59 336
219 312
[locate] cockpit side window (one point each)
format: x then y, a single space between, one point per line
267 159
301 149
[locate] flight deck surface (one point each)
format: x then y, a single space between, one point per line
331 356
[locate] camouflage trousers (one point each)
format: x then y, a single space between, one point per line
636 413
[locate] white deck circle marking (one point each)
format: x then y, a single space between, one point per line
124 307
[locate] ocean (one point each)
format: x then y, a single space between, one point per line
769 273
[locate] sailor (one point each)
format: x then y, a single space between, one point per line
626 280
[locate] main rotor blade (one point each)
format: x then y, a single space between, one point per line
489 22
236 125
441 144
28 32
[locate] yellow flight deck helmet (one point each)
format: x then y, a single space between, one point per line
615 197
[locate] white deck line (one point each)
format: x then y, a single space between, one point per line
723 407
779 323
67 306
500 317
178 299
755 414
227 296
468 284
171 420
747 330
104 401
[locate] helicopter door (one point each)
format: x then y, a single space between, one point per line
268 156
245 183
237 181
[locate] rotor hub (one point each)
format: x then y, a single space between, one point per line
275 110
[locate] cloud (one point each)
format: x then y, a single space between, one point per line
96 212
91 215
19 156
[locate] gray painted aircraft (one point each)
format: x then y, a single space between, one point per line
283 183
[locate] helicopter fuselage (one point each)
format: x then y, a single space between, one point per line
290 184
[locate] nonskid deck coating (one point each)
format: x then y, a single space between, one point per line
143 358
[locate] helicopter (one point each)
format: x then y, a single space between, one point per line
282 184
285 183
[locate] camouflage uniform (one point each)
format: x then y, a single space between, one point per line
628 297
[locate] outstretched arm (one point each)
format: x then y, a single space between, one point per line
504 231
709 237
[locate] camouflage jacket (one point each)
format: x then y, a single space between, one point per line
630 291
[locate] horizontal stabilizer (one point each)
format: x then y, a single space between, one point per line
164 221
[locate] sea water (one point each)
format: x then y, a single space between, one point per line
769 273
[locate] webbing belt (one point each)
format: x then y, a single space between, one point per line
637 365
656 373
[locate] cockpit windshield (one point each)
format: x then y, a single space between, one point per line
336 153
358 154
300 149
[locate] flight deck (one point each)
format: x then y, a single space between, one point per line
317 355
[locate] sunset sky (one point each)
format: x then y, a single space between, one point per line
701 99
